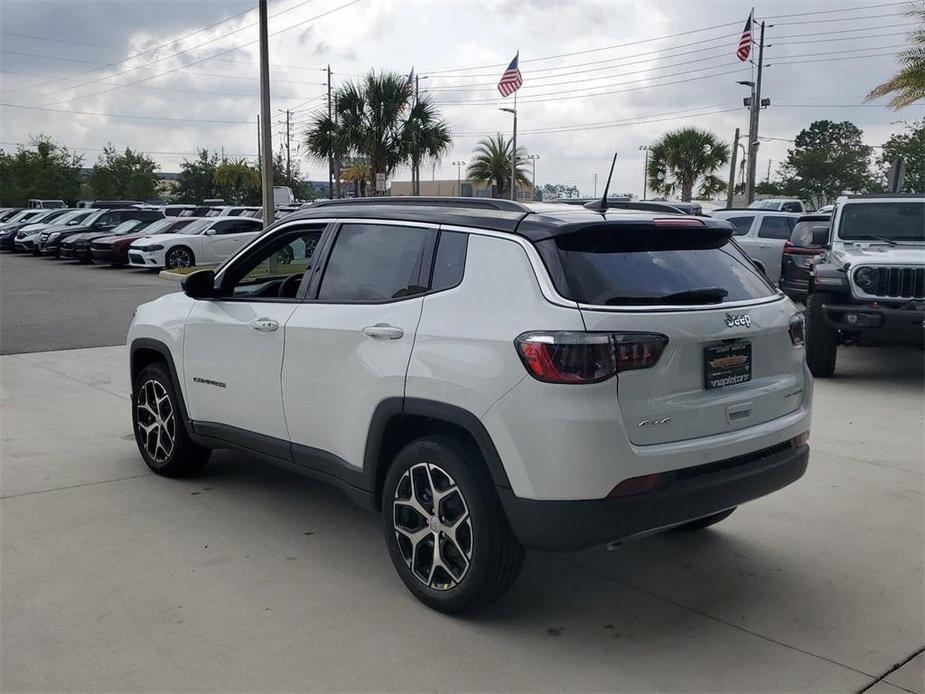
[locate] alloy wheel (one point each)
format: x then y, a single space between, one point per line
179 258
155 420
432 526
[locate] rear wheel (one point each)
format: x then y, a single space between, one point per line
444 526
179 257
704 522
159 428
821 339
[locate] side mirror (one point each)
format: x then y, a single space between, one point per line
199 284
821 237
210 232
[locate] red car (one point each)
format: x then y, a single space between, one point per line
114 249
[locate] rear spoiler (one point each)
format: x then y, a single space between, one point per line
659 233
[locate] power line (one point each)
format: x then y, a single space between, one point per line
173 55
840 9
203 60
839 19
123 115
101 149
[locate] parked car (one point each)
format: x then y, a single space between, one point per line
109 204
826 209
231 211
8 212
35 203
197 211
9 230
101 222
27 238
761 234
456 369
64 224
800 252
205 241
114 249
781 205
868 286
78 245
177 210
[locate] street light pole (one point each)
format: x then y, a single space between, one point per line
645 170
266 135
533 158
459 165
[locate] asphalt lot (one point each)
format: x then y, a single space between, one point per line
250 578
48 304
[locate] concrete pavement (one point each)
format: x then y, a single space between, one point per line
250 578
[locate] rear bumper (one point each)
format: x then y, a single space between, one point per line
877 326
684 495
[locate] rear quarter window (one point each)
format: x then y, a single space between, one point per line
742 224
775 227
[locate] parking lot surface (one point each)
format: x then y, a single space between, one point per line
250 578
48 304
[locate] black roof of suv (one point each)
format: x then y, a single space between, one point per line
533 221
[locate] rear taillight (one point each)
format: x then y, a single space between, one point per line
578 357
798 329
790 249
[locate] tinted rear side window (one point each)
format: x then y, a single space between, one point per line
742 224
594 269
450 263
773 227
376 263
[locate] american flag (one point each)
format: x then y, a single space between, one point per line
511 80
745 43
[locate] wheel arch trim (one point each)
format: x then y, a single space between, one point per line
150 344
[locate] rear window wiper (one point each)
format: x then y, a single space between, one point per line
700 295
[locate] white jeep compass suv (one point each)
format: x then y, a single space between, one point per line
488 375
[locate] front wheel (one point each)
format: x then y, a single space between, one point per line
159 428
178 258
821 339
444 526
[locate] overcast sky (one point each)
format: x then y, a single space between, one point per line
598 77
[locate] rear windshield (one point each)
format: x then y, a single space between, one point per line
879 221
600 269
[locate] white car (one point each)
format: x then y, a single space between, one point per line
231 211
780 205
27 238
206 241
762 235
486 375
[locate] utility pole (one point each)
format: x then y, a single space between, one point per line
416 168
595 186
288 160
514 155
768 177
730 191
753 123
533 158
266 134
330 155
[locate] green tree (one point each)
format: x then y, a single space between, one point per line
909 146
42 170
127 176
238 180
491 163
197 178
908 85
370 123
556 190
827 159
684 159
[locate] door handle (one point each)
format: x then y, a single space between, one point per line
385 330
264 325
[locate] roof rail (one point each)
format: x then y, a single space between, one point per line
432 201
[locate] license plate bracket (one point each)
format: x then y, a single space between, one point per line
727 364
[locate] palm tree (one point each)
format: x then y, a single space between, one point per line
491 163
358 173
682 159
369 123
908 85
236 176
425 135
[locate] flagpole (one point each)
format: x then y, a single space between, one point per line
514 153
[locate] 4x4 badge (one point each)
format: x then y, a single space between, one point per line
738 319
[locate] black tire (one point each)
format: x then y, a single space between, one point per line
179 257
821 339
495 557
704 522
154 391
